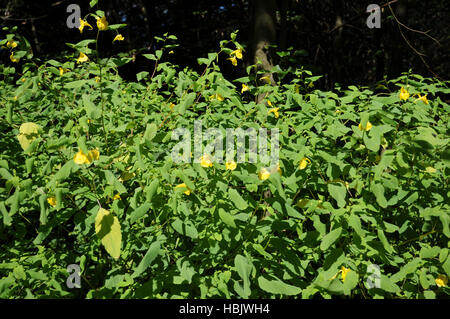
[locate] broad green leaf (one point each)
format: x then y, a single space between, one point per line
277 287
330 238
107 228
226 218
338 192
237 200
151 254
28 132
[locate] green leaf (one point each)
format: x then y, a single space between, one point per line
243 268
140 212
149 257
277 287
351 280
330 238
237 200
226 218
338 192
107 228
186 228
378 191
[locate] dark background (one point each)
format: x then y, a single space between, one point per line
327 37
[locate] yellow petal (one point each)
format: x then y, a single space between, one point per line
441 281
344 271
80 158
404 94
263 174
52 201
205 161
231 165
183 185
233 60
102 24
13 59
244 88
82 58
304 162
367 128
118 37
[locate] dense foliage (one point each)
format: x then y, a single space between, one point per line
87 178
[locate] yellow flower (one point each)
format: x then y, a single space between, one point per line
61 71
244 88
83 24
216 96
119 37
344 272
187 191
231 165
367 128
265 79
13 59
441 281
102 24
263 174
117 196
237 53
82 58
80 158
233 60
52 201
205 161
404 94
171 52
171 106
423 99
274 111
11 44
97 79
15 97
269 103
304 162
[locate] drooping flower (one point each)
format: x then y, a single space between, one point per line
274 111
233 61
82 58
304 162
230 165
171 106
205 161
80 158
52 201
61 71
102 24
93 155
269 103
11 44
423 99
441 281
117 196
263 174
216 96
404 94
13 59
84 23
367 128
183 185
265 79
97 79
244 88
119 37
344 272
237 53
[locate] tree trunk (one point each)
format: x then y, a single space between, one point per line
264 34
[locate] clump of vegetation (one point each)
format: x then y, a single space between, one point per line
358 206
